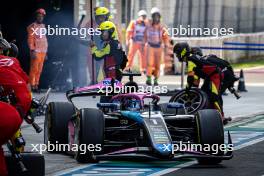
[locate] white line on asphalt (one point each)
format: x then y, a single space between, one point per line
73 169
173 169
169 170
178 167
249 143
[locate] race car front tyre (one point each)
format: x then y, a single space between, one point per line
210 132
34 163
91 135
56 123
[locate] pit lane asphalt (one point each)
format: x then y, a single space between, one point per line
250 102
246 161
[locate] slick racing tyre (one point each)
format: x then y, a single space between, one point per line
90 132
56 122
34 163
210 131
193 100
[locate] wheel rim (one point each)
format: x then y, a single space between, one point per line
77 134
192 101
71 137
47 127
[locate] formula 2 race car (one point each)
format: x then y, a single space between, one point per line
132 126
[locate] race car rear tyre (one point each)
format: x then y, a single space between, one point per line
195 100
210 131
91 132
34 163
56 122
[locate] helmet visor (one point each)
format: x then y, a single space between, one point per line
100 18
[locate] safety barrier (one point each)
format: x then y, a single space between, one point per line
234 48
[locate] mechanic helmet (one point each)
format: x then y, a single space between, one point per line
4 45
41 11
155 10
181 50
101 14
142 13
13 51
197 51
109 27
155 14
133 105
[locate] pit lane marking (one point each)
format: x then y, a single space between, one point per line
166 171
242 135
256 124
239 141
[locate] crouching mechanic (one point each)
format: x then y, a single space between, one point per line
199 67
12 80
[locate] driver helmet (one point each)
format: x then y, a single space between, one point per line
133 105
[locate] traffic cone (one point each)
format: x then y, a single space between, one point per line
241 84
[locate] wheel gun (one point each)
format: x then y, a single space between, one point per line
233 91
38 108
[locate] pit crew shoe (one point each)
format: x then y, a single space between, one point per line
148 82
156 82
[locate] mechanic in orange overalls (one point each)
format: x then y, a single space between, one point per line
156 36
38 46
135 40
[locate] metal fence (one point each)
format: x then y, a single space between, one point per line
243 16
